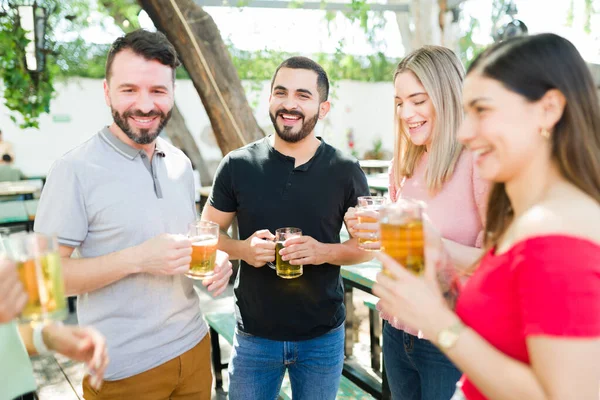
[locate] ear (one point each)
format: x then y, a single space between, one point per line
106 93
553 106
324 109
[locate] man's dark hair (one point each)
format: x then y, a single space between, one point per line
150 45
6 158
307 63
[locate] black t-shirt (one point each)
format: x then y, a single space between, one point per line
264 189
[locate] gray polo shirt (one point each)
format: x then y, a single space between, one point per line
104 196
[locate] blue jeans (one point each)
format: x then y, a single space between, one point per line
258 365
415 368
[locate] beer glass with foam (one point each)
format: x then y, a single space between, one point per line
204 236
402 236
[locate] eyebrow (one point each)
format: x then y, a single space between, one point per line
127 85
412 95
279 87
478 99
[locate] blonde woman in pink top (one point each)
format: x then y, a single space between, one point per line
431 165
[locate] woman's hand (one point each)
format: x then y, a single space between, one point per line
80 344
363 230
13 297
368 228
418 301
351 220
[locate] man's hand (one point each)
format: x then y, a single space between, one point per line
217 283
165 254
80 344
13 297
260 248
303 250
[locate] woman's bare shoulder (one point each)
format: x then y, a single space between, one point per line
568 211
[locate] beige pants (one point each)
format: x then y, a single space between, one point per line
185 377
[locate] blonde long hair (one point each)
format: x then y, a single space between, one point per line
441 74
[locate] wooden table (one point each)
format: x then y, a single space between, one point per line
374 166
362 277
18 212
25 188
378 183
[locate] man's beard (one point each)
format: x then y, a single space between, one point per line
286 133
145 136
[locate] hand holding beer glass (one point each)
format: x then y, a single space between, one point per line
402 235
13 297
204 236
284 268
38 265
367 230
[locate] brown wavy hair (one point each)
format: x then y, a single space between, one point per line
530 66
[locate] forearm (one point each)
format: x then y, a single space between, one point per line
346 253
26 333
235 248
496 375
83 275
463 257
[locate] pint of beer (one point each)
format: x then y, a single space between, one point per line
38 264
284 268
402 236
367 212
205 237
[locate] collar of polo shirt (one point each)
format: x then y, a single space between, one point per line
123 148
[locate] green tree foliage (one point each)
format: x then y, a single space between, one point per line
26 94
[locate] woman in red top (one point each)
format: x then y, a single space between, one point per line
527 323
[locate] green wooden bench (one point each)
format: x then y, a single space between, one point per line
223 324
31 208
374 334
14 213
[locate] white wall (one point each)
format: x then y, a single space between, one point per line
366 108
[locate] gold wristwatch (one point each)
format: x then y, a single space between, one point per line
447 337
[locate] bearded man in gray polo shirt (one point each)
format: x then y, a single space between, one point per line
124 199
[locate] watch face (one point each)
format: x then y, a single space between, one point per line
446 339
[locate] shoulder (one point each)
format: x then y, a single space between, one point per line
252 151
79 155
465 168
169 149
569 212
337 158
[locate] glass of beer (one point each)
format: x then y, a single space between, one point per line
204 236
402 235
368 212
38 264
284 268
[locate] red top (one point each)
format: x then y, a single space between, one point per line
547 285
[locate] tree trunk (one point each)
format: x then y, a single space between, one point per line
183 139
201 49
431 22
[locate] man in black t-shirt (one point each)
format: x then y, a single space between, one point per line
291 179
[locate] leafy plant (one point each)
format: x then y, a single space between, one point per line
27 95
377 152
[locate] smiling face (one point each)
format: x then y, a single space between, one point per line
501 128
414 108
294 104
140 96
